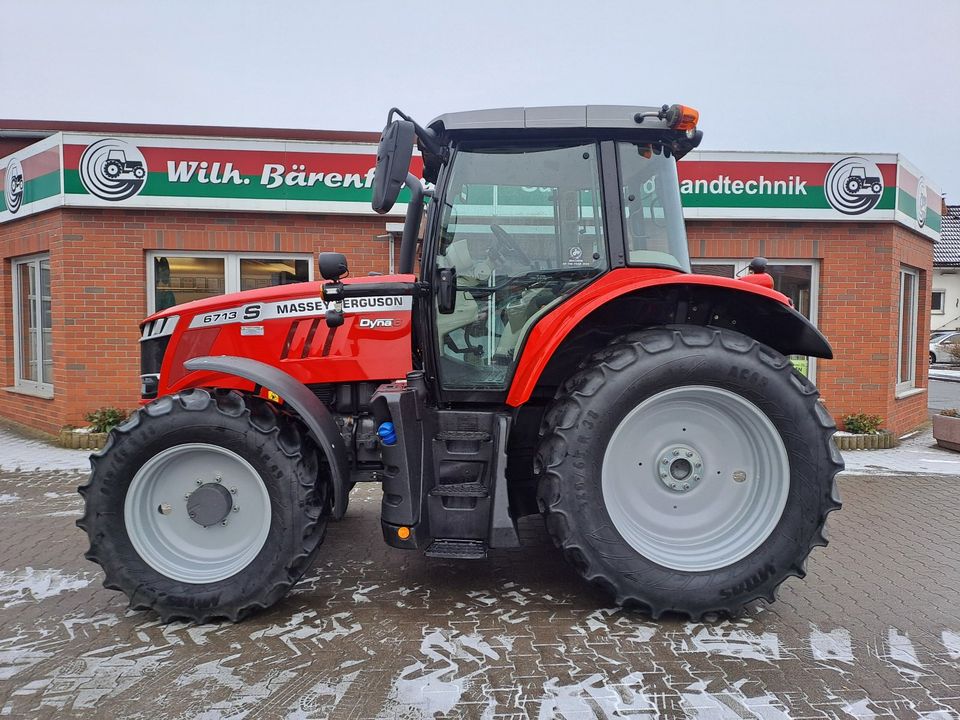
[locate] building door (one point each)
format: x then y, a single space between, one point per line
799 280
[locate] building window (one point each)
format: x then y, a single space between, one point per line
907 342
797 279
937 300
174 278
32 327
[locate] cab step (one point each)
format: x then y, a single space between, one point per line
467 489
457 549
463 435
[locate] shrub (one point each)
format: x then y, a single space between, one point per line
105 419
862 424
950 412
953 350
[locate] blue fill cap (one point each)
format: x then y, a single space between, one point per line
387 433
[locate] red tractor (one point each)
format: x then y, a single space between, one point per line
553 354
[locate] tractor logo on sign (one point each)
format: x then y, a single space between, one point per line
13 186
853 185
113 169
921 202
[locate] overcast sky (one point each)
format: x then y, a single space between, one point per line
810 75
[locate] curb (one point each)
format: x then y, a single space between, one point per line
876 441
73 440
946 378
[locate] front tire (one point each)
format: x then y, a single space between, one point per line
205 505
687 469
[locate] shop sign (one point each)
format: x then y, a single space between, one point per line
337 178
30 180
155 172
794 186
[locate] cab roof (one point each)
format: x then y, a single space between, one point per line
612 117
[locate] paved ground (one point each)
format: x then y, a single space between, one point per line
944 391
916 454
874 630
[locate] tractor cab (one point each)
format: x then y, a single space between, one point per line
529 205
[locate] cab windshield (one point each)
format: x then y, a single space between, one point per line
524 229
652 215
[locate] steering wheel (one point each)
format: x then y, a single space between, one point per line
505 241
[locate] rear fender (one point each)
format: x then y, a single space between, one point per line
632 299
299 398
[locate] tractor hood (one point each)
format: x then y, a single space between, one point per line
269 294
285 327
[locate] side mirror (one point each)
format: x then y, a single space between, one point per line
333 265
393 163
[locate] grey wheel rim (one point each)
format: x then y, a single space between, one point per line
227 498
695 478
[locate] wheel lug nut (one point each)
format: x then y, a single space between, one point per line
199 481
689 454
186 496
666 462
686 487
236 508
193 515
219 478
676 453
224 523
233 490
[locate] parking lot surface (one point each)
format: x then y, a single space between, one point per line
374 632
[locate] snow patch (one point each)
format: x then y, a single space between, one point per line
598 696
903 655
23 586
831 646
6 499
860 710
425 688
732 703
19 454
951 641
731 642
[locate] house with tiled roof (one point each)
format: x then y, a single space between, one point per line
945 302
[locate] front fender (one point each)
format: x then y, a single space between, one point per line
298 396
760 313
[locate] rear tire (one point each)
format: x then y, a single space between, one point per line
283 489
746 407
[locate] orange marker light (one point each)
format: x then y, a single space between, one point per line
403 533
684 118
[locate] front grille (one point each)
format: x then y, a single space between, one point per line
151 354
324 392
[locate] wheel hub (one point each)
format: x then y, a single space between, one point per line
209 504
680 468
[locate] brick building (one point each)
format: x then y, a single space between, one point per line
102 224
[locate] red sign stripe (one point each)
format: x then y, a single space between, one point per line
246 162
42 163
813 172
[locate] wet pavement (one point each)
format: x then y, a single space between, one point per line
373 632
